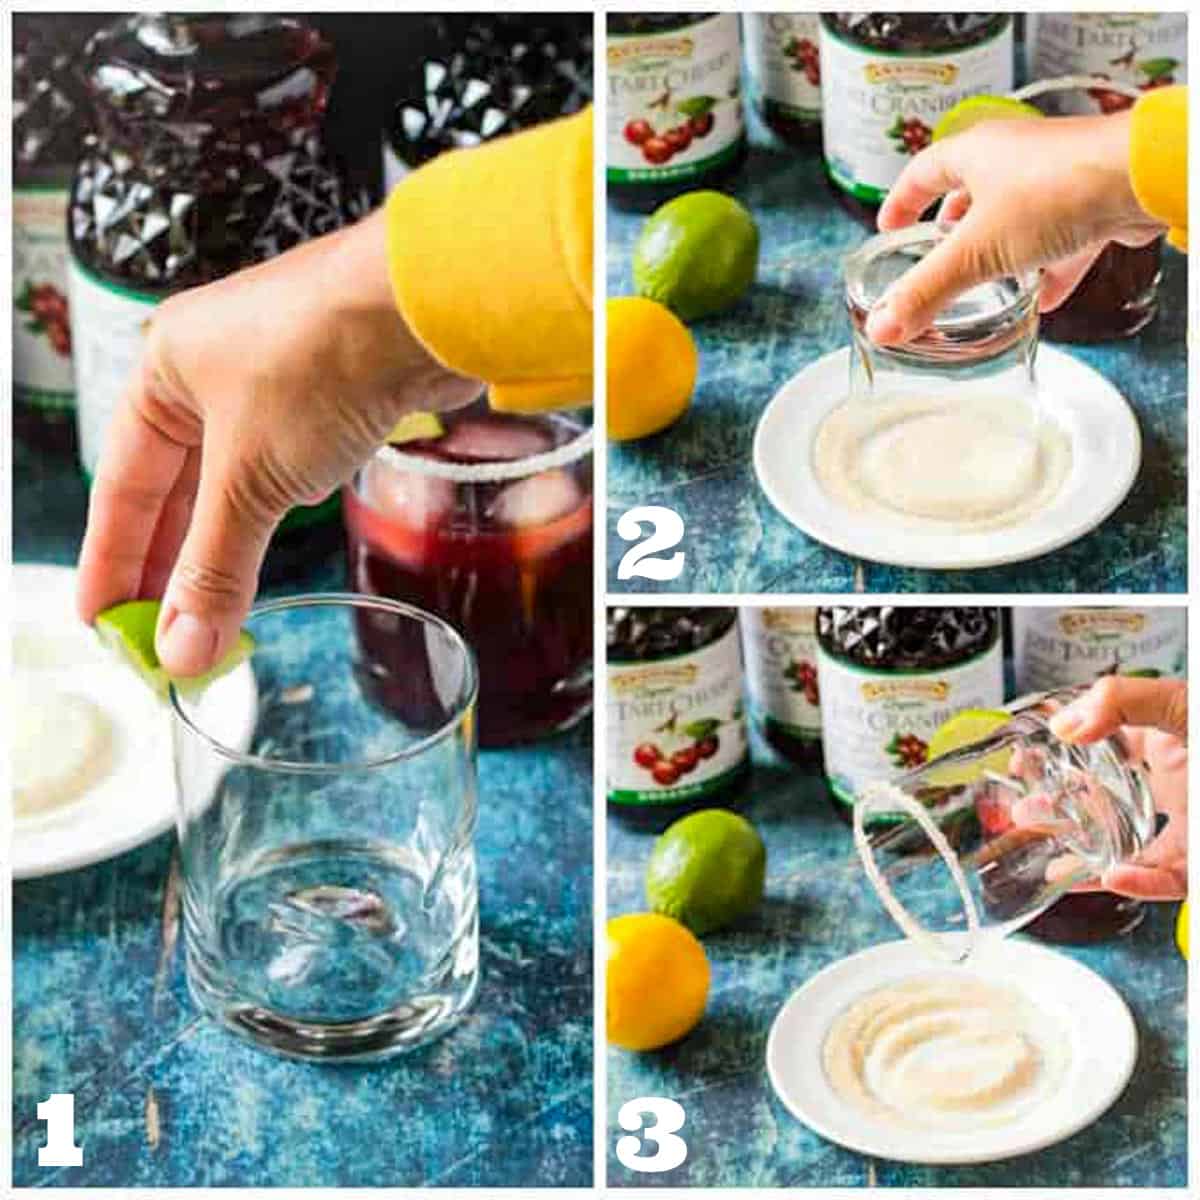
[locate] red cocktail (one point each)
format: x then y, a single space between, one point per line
490 526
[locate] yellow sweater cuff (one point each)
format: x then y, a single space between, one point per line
490 256
1158 158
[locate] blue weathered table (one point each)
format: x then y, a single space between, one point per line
166 1098
818 908
701 467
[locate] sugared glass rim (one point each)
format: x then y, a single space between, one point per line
492 472
929 234
343 600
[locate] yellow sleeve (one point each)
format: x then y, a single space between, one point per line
1158 158
490 256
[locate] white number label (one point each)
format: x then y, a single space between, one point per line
667 531
670 1151
59 1114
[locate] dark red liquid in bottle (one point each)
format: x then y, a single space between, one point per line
1117 298
508 563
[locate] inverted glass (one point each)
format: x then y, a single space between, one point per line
330 894
981 841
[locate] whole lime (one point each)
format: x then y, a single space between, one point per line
707 870
697 254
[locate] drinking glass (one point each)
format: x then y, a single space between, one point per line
330 898
983 840
489 525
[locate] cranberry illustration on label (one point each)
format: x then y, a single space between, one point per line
47 313
910 135
907 750
805 58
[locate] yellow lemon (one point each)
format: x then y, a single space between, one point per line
657 981
1181 929
651 367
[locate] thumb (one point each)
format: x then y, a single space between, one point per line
968 255
214 578
1118 700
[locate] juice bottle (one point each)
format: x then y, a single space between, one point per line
1119 295
676 721
889 676
468 525
50 118
784 62
886 78
205 156
675 120
780 650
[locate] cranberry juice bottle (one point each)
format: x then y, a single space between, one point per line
784 61
470 527
886 78
206 155
1119 295
49 120
780 650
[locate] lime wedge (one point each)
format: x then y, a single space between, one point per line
414 426
970 725
974 109
128 629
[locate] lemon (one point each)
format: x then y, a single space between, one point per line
656 981
1181 929
129 630
970 725
651 368
414 426
707 870
975 109
697 254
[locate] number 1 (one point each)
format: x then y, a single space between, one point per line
59 1114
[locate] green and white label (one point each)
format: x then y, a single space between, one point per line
1060 647
674 101
676 726
781 668
884 106
878 723
782 52
108 328
42 375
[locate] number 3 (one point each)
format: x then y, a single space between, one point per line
667 531
668 1120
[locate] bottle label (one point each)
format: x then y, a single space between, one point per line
676 726
674 102
42 375
781 668
878 723
884 106
1146 50
107 328
1059 647
784 60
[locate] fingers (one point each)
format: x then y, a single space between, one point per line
215 577
928 176
172 528
1146 883
966 257
1063 277
137 473
1120 700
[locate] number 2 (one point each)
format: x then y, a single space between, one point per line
59 1114
667 531
670 1150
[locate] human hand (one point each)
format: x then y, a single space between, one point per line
264 390
1151 715
1022 194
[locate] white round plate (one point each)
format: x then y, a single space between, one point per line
133 802
1102 1052
1106 450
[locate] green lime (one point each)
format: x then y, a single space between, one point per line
129 630
970 725
415 426
707 870
697 254
974 109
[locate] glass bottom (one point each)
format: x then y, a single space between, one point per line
1086 917
338 950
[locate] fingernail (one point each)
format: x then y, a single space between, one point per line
1066 723
186 644
883 326
1175 759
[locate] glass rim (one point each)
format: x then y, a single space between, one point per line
931 233
343 600
489 472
